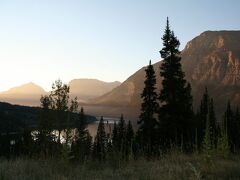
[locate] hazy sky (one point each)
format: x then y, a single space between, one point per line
42 40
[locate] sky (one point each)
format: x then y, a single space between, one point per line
44 40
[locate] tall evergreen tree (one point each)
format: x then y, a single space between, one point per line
115 137
207 145
237 128
229 126
81 146
121 127
207 124
45 127
210 130
100 142
175 113
147 121
203 114
212 124
129 139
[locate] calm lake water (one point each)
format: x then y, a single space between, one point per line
108 122
92 128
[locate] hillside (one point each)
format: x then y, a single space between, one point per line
26 94
211 59
15 117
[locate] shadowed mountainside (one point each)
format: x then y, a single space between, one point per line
211 59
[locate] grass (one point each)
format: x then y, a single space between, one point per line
172 166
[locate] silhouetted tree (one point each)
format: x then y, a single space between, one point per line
44 137
27 142
212 124
175 113
147 132
100 142
115 137
203 114
121 127
129 139
237 129
230 127
207 123
82 143
60 98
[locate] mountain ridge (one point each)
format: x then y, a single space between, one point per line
209 60
29 93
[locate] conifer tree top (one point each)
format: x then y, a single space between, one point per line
170 43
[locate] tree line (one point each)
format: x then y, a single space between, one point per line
167 121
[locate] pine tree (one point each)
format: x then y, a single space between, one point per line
207 145
210 136
237 127
223 143
121 127
115 137
45 127
207 125
147 120
82 143
229 126
70 121
212 124
203 114
100 142
129 139
175 113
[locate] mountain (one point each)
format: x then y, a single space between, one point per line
29 94
211 59
29 88
26 94
90 88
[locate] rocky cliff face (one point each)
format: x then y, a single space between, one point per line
212 59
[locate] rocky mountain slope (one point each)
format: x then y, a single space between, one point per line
212 59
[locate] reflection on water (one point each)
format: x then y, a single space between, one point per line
92 128
108 122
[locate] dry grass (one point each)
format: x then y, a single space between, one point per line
174 166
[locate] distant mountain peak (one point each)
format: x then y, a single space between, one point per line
28 88
90 88
93 80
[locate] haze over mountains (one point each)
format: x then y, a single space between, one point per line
26 94
29 94
210 60
86 89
